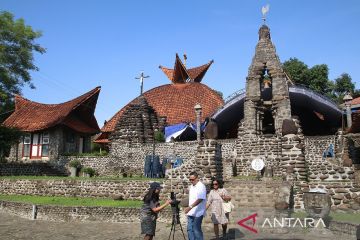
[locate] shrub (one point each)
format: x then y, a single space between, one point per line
89 171
75 163
159 136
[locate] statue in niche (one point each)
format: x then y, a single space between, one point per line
267 81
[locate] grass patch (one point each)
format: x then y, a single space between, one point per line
335 216
346 217
253 178
72 201
113 178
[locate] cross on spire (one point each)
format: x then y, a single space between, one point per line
142 77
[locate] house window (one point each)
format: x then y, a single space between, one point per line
27 145
36 145
45 144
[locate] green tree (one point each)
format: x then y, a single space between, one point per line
17 48
8 137
317 78
297 71
344 84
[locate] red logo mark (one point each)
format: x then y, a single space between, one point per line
242 222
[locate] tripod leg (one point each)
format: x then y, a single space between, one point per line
174 231
172 225
182 230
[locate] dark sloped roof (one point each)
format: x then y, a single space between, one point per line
77 114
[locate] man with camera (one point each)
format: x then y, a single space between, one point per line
196 209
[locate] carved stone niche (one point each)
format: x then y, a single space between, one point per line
317 204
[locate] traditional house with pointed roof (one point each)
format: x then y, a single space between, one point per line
53 129
174 101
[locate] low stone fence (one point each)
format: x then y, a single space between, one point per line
132 190
79 214
345 230
345 195
36 168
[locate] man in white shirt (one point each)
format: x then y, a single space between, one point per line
197 207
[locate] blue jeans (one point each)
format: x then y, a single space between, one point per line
194 228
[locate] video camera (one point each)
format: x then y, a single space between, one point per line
175 208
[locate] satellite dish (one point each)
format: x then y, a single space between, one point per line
257 164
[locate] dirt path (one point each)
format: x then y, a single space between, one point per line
16 228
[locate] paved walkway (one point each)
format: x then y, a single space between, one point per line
16 228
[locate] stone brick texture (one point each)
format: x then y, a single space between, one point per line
80 214
132 190
345 230
345 195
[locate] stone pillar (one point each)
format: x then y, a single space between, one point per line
208 160
348 114
198 109
293 150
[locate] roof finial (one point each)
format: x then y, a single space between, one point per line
265 10
185 58
141 77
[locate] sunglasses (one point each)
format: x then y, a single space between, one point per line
192 179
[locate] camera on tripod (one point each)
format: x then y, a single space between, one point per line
175 208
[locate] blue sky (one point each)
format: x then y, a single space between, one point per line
107 43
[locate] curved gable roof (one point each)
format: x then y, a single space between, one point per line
32 116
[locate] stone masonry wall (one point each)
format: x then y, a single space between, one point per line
35 168
345 195
250 146
228 156
123 158
132 190
292 155
76 214
327 169
133 156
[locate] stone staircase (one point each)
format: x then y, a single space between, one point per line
254 197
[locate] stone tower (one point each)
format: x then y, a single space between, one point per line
137 124
267 101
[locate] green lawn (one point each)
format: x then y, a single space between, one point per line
341 217
253 178
137 178
71 201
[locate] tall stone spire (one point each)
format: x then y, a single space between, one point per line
266 105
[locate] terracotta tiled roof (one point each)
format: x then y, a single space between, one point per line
180 74
176 102
198 73
78 114
355 101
